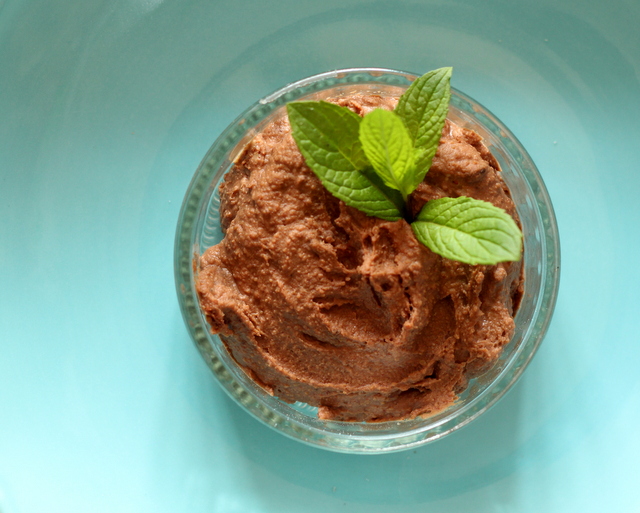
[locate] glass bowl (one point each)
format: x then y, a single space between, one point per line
199 228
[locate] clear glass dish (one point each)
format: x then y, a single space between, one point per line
199 228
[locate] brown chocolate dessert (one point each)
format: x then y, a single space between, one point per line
322 304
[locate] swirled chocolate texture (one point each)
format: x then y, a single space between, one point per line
320 303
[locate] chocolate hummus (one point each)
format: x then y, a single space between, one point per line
322 304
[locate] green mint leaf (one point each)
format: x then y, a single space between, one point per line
423 108
388 147
392 195
332 130
327 135
469 231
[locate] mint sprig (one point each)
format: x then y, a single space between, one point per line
374 163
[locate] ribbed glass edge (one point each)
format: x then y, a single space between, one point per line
337 439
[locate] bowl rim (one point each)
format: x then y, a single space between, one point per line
309 430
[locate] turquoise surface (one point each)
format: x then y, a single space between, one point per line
106 109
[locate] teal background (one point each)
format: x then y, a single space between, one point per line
106 109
